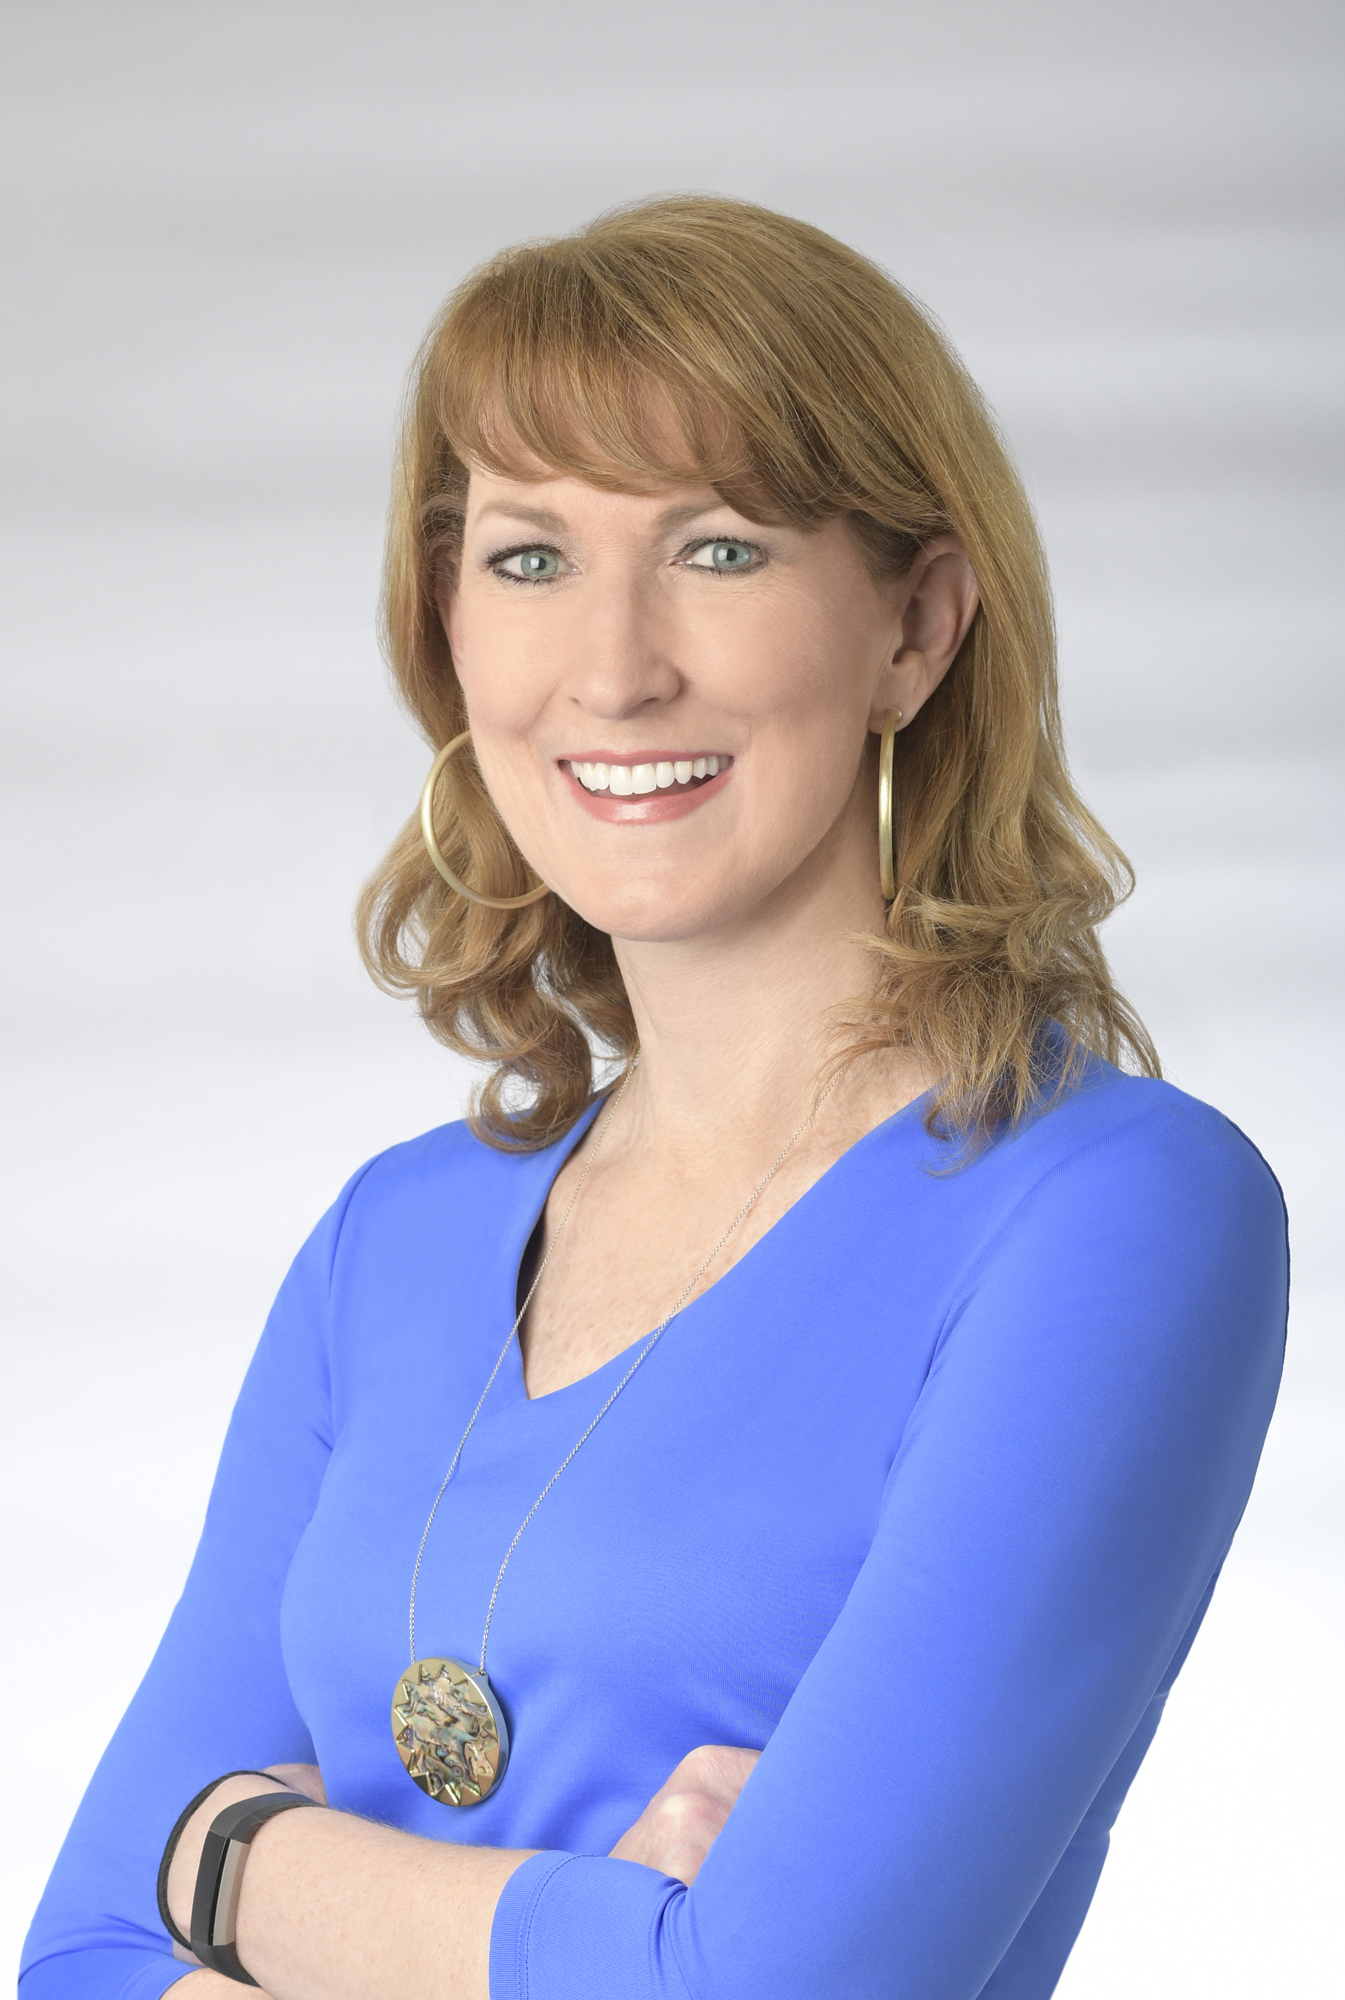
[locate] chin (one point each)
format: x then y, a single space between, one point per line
652 914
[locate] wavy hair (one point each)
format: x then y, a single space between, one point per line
807 385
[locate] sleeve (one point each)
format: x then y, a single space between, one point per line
216 1696
1063 1496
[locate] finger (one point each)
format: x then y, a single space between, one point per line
718 1769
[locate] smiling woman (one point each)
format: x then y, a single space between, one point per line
787 427
731 1533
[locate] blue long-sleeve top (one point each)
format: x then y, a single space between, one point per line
925 1499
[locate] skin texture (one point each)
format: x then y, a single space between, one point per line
736 928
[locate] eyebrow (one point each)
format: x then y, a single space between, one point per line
542 517
536 517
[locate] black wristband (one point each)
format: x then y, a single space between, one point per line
220 1877
170 1849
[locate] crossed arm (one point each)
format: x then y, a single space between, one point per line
334 1907
1065 1489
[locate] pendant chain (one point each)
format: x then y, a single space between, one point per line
569 1207
645 1351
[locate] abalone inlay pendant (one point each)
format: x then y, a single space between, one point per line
450 1731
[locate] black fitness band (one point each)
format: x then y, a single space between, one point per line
219 1879
170 1848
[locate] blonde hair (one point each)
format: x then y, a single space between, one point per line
807 385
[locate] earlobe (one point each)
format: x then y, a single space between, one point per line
904 687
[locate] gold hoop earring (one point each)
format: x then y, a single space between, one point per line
887 839
432 845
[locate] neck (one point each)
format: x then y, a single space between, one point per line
735 1025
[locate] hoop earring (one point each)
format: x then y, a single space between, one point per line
887 840
432 845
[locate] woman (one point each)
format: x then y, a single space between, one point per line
964 1342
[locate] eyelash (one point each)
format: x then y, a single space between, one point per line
501 556
708 541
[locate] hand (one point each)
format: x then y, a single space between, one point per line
677 1828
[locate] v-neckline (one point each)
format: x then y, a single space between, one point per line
513 1369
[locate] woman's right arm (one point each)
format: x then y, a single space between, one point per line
368 1912
216 1696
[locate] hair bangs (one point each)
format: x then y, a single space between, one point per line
702 340
543 372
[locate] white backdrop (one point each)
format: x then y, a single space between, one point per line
228 225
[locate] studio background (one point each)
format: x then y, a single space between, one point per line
228 225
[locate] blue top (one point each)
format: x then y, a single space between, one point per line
925 1498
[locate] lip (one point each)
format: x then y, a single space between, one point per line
650 808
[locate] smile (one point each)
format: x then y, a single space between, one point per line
646 789
624 781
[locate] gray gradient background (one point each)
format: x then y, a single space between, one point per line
228 225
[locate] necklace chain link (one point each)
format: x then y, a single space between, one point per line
645 1351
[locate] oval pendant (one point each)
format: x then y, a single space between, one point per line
450 1731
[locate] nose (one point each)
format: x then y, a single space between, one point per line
620 654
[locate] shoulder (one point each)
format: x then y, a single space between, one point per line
425 1235
1134 1126
445 1193
1117 1171
446 1176
1129 1235
1129 1172
442 1155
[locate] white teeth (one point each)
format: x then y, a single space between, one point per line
624 779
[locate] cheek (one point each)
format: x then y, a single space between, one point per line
503 687
798 785
806 688
799 652
505 660
801 681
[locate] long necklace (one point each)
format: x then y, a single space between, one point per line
447 1722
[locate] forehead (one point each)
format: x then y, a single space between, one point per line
554 500
637 438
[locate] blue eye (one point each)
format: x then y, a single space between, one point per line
533 565
723 556
731 555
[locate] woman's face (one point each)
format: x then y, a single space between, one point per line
669 702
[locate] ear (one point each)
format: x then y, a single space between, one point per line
937 601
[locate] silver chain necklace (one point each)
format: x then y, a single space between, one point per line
447 1723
